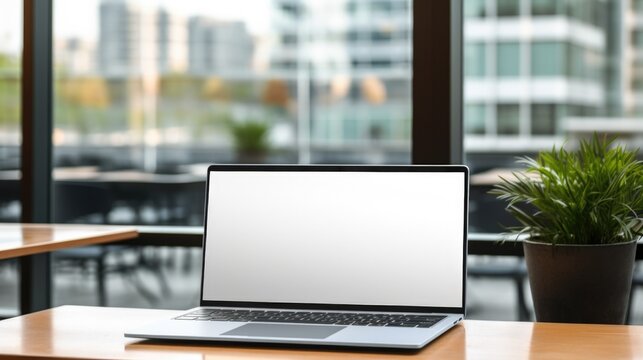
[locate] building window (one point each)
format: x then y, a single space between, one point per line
548 59
507 8
508 59
476 119
475 64
10 109
544 118
637 38
475 8
508 119
546 7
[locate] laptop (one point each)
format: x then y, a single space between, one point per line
367 256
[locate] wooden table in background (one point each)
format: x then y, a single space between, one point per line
97 333
28 241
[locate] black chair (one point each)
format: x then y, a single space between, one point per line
516 272
637 281
488 215
91 203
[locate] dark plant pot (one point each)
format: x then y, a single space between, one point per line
580 283
251 157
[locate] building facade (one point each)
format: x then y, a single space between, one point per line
353 60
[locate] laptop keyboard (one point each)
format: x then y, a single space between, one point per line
304 317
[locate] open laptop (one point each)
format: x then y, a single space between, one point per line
369 256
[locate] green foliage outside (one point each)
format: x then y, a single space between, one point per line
9 92
590 196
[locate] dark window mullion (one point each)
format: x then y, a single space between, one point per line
437 82
36 148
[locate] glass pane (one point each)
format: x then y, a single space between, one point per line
475 8
508 59
547 59
476 115
508 119
149 92
544 118
546 7
10 140
475 60
507 8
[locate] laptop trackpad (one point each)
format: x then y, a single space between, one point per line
285 330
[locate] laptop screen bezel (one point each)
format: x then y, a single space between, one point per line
341 168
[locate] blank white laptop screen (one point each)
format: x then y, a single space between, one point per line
354 238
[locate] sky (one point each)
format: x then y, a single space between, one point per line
11 26
79 18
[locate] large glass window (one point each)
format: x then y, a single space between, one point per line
573 83
147 93
10 139
10 128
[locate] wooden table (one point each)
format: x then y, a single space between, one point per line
32 242
97 333
28 239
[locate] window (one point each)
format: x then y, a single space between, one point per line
508 8
10 118
572 82
508 59
548 59
475 8
508 119
476 115
10 139
546 7
179 85
544 118
475 55
637 38
637 6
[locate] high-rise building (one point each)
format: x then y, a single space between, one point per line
352 58
529 65
134 38
216 46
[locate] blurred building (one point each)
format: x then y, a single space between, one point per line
75 56
134 38
353 59
529 64
216 46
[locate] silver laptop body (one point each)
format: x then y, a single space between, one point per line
368 256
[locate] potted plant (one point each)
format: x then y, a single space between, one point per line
250 141
581 211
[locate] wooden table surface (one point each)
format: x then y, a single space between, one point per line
28 239
97 333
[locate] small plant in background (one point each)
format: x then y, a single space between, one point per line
590 196
250 137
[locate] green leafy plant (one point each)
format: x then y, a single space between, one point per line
590 196
250 136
